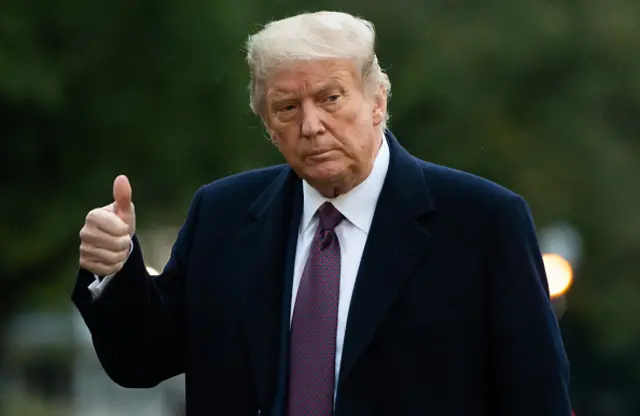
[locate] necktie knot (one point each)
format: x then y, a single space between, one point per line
329 216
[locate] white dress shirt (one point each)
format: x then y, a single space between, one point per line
358 207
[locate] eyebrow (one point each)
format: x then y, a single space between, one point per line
324 86
329 84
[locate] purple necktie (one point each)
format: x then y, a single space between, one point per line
314 322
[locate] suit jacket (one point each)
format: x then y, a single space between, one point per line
450 314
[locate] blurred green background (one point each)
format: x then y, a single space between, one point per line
542 97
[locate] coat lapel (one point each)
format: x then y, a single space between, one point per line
261 267
396 243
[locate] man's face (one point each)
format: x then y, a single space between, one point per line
323 122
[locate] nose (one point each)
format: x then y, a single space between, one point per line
312 124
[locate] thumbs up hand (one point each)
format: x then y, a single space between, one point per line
105 238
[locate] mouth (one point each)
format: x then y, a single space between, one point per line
321 154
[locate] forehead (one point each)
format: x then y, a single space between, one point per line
310 75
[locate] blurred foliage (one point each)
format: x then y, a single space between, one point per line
28 405
542 97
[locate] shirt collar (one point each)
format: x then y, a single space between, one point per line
359 204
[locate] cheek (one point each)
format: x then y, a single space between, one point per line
279 128
360 118
283 133
353 117
288 145
347 124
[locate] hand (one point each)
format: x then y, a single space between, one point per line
107 232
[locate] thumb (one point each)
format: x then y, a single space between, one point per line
122 196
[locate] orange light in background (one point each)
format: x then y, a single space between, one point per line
152 271
559 274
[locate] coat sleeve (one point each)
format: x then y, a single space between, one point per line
137 322
529 366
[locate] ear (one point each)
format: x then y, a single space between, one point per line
379 106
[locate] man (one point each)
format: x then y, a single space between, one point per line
354 280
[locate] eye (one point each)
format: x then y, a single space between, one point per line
332 98
286 111
287 107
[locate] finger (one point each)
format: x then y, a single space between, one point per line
102 255
96 237
107 221
100 269
122 195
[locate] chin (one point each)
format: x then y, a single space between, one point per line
327 172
